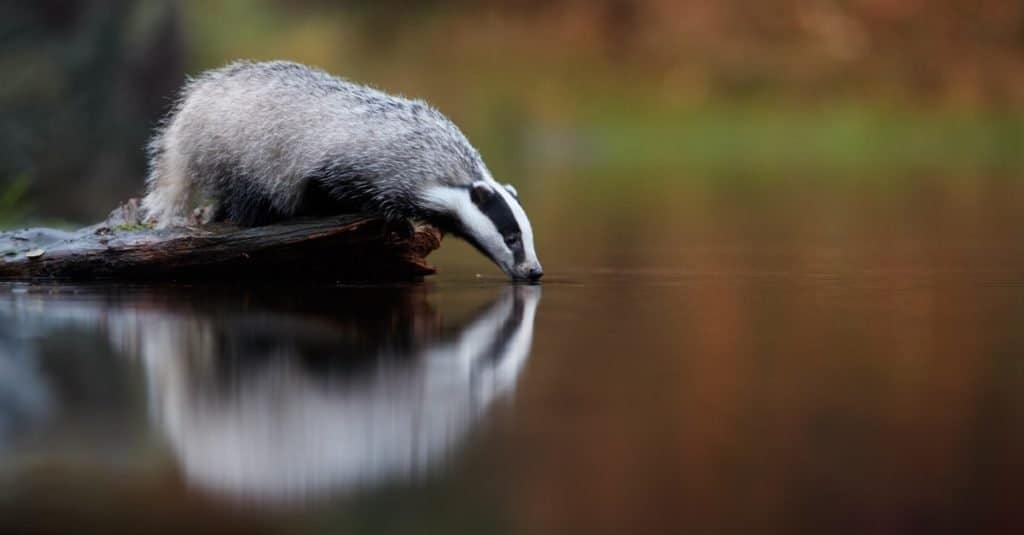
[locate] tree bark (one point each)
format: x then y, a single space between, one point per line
347 248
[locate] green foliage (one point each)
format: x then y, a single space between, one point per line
14 208
836 140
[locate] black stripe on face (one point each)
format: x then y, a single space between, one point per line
499 345
498 211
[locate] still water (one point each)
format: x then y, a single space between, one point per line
811 359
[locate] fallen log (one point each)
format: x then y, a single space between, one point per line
338 248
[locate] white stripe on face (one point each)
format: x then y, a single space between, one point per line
480 229
477 226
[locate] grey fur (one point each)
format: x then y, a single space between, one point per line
269 128
266 141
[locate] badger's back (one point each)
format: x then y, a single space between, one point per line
264 141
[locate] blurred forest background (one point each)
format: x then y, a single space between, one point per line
782 238
620 91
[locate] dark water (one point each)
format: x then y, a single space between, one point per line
785 358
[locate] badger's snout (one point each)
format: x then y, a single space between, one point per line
528 272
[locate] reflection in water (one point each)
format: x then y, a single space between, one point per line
25 398
265 403
780 357
252 409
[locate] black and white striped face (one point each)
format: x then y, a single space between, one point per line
489 216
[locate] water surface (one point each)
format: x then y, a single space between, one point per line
790 357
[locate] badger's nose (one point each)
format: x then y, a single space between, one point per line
535 273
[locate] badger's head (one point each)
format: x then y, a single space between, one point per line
488 216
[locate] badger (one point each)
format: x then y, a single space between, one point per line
267 141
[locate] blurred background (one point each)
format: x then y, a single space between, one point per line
782 242
625 92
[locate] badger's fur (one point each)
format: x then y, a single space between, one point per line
268 141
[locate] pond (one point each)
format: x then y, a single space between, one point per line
790 355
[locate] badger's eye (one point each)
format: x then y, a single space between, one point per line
512 240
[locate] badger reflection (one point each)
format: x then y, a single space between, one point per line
273 407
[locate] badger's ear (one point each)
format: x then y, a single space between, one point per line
512 189
480 192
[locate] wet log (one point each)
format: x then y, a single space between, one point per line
347 248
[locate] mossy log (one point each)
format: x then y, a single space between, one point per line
339 248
